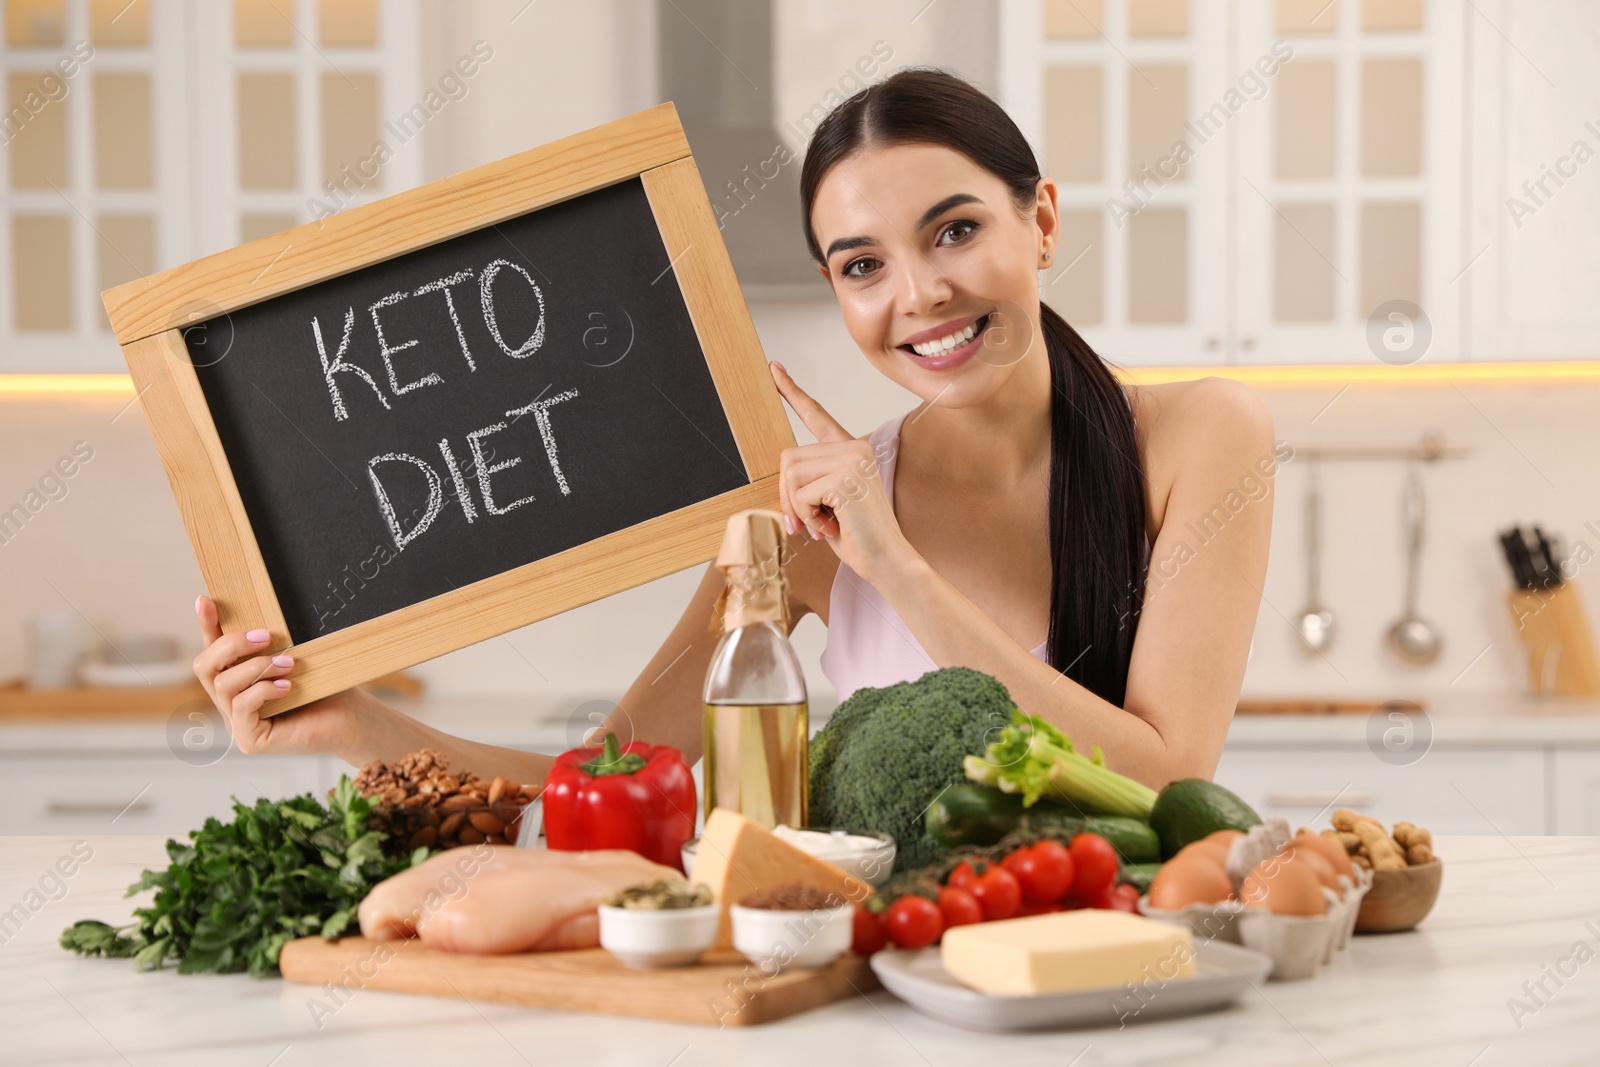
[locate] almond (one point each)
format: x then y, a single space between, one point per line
487 822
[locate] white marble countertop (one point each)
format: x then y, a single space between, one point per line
1512 911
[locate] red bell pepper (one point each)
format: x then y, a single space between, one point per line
636 796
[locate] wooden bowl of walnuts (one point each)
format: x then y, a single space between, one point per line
1405 872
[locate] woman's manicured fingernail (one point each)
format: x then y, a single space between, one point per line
283 661
257 637
281 683
197 600
790 525
814 535
781 368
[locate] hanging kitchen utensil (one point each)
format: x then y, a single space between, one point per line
1315 625
1412 637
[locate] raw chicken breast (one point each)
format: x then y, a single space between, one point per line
487 900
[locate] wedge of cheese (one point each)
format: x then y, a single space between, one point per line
737 857
1066 950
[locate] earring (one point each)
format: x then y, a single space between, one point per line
1047 257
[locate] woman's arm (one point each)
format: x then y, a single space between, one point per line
1201 600
662 706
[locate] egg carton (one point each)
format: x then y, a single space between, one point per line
1298 945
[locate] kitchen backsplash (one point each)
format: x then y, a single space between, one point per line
108 542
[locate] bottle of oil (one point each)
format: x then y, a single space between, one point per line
755 693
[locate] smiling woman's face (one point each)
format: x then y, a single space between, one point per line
934 268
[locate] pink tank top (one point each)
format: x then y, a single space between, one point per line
868 643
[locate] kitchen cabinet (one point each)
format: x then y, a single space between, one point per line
1575 791
141 136
1354 203
1534 186
144 793
1453 791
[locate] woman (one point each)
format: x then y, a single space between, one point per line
1016 512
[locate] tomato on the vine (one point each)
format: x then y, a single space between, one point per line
962 875
1043 870
959 907
1028 907
1094 866
867 932
914 921
998 893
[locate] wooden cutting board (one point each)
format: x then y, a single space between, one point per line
723 990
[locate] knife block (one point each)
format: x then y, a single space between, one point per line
1560 653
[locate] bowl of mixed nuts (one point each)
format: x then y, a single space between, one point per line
420 803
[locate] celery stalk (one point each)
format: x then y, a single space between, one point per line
1034 758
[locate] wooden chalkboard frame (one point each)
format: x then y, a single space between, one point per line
148 316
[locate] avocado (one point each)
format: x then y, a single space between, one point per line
1192 808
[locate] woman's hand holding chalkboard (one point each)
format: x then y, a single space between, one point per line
241 677
833 489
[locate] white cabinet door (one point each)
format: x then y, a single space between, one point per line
1348 193
1533 145
1450 791
1106 93
1577 792
141 794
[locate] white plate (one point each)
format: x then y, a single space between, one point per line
1222 973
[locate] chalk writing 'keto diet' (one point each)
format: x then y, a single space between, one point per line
456 290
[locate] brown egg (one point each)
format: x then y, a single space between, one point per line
1214 849
1319 866
1225 838
1190 877
1283 887
1329 850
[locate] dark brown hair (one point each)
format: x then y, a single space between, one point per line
1097 506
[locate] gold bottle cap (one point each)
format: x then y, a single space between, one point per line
752 558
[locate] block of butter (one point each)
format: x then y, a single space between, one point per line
1065 950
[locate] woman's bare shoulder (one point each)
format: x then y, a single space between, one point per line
1201 429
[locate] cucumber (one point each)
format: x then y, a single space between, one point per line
972 814
1134 841
1192 808
1139 875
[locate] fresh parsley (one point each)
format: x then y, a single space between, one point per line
231 899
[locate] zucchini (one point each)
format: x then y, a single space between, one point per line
968 814
971 814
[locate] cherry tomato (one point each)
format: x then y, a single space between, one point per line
1044 870
998 893
1130 891
1028 907
914 921
1111 900
867 933
959 907
963 875
1094 866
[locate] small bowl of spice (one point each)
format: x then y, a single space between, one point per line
791 926
666 923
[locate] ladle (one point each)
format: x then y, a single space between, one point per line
1413 638
1315 624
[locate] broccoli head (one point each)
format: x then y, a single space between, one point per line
886 753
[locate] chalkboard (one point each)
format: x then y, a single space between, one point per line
459 409
421 424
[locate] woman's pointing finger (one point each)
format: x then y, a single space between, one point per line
823 427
